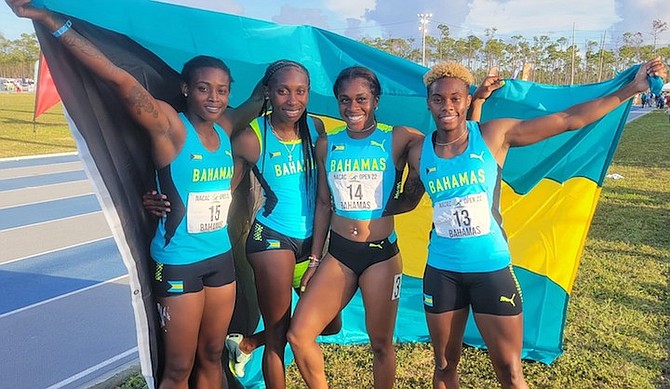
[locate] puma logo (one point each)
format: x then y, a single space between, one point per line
510 300
377 144
479 157
376 245
228 153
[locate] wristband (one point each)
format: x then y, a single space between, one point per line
66 26
313 261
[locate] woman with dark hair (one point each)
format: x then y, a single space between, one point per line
469 262
278 148
193 267
360 167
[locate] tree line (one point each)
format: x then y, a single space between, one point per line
18 57
546 60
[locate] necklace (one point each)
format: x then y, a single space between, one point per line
465 132
373 125
283 141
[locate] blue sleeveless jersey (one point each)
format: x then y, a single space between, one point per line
361 174
467 233
288 205
197 184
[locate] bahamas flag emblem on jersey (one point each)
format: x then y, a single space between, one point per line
176 286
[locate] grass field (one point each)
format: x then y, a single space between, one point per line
17 135
618 326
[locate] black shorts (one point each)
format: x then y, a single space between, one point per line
263 238
174 280
495 293
359 256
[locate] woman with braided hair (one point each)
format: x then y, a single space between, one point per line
278 148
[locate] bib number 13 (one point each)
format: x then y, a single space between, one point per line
462 217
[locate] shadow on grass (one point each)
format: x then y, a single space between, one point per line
19 122
26 111
645 196
634 216
2 138
664 379
638 217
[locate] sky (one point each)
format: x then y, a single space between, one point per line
398 18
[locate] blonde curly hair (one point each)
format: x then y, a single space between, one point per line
448 69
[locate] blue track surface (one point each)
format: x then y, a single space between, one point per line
48 210
46 179
27 162
32 280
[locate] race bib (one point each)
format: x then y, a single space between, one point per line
462 217
356 191
207 211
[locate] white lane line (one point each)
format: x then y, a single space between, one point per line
51 192
39 238
56 250
93 369
50 221
48 200
7 159
40 170
62 296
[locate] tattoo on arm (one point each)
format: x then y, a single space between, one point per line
138 97
141 101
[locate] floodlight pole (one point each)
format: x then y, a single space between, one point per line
423 27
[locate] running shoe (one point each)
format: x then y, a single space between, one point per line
237 359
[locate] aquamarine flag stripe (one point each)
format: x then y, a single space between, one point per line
176 34
585 153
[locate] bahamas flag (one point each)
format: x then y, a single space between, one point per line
550 189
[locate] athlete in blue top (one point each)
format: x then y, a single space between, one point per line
278 148
468 260
194 283
359 170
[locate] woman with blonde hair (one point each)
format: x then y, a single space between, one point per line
469 263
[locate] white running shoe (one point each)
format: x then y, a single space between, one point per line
237 359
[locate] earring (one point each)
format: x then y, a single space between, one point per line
185 94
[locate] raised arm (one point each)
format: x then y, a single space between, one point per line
320 127
502 134
483 92
406 141
155 116
238 118
246 151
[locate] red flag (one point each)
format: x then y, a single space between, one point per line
46 95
